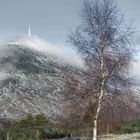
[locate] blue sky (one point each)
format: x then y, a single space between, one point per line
52 20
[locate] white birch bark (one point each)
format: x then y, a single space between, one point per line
101 93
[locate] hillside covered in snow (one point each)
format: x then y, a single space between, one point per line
31 75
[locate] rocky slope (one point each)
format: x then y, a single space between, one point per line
31 75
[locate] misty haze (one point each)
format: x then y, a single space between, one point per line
69 70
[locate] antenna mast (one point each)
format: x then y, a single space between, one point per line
29 31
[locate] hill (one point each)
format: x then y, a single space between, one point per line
31 75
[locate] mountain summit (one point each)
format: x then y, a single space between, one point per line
31 76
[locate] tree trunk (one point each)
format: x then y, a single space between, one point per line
97 115
108 129
101 93
95 130
37 134
7 136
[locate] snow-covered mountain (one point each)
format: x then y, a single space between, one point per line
31 75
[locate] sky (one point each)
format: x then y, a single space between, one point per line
49 19
52 20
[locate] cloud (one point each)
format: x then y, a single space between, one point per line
4 75
136 69
67 55
137 39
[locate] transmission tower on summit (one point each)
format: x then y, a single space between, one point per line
29 31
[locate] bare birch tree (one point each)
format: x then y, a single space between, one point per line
104 41
78 106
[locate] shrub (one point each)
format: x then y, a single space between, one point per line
129 127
